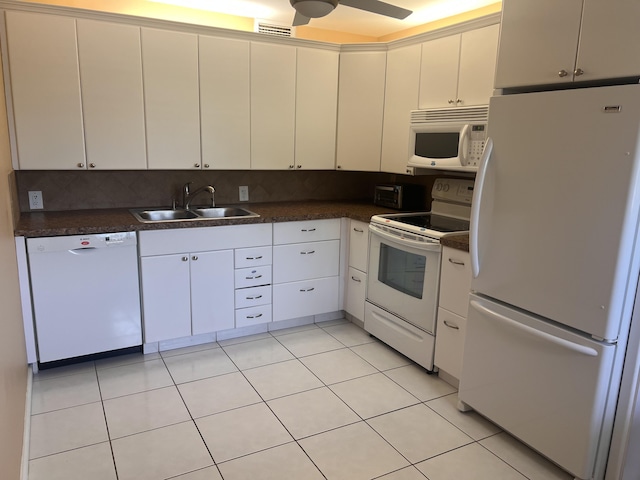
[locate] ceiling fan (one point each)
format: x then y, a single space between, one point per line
307 9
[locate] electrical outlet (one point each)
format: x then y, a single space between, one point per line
243 193
35 200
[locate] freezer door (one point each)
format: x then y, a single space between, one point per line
543 384
557 207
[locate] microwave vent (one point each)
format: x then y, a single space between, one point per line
479 114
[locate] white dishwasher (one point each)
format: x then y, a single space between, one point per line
85 294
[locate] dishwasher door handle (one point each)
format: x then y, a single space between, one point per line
83 251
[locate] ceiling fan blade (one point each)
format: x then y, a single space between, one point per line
300 19
378 7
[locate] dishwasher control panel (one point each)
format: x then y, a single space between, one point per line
75 242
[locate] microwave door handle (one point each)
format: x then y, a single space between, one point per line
463 146
474 249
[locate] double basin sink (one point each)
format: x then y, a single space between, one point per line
154 215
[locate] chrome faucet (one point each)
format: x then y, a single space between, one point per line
188 196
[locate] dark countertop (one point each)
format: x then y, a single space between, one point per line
79 222
459 242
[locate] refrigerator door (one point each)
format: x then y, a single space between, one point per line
543 384
556 205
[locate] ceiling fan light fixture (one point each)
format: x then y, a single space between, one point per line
314 8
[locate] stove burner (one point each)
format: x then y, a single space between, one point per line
435 222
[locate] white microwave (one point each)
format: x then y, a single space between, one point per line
448 138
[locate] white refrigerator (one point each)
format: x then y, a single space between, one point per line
555 269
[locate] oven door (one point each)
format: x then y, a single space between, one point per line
403 276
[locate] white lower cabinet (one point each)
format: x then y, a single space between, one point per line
302 299
356 282
356 293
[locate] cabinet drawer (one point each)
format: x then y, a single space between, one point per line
246 317
304 261
306 231
253 276
301 299
356 293
251 297
450 342
252 257
455 281
358 245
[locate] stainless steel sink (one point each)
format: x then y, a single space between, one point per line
155 215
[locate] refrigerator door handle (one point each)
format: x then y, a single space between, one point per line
561 342
475 207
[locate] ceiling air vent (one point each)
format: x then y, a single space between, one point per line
274 30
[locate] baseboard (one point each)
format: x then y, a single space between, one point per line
26 436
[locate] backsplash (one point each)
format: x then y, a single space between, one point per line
71 190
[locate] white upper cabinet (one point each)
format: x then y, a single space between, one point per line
112 102
550 41
170 74
273 106
316 109
45 83
458 70
401 96
360 110
224 103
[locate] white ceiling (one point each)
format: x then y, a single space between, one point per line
342 19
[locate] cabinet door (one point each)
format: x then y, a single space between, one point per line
112 103
401 96
439 72
609 30
166 297
301 299
303 261
359 245
478 53
170 74
356 293
45 84
316 109
224 103
273 95
450 342
212 291
538 39
360 110
455 281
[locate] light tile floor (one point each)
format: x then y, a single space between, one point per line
322 401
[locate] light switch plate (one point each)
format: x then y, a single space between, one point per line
243 193
35 200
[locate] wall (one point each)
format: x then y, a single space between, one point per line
13 363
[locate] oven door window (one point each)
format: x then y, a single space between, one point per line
401 270
437 144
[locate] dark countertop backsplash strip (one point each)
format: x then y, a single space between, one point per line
80 190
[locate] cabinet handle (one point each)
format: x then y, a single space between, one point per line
578 71
254 316
355 279
92 165
81 165
308 230
308 289
185 259
451 325
563 73
456 262
291 167
206 165
450 102
338 167
255 297
308 253
458 101
254 258
358 230
299 166
195 257
254 277
197 165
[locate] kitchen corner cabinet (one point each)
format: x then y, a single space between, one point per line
224 103
550 42
401 96
273 97
458 70
358 259
455 284
45 83
171 91
360 110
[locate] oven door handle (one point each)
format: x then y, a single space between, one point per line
431 246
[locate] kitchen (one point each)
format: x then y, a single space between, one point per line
164 201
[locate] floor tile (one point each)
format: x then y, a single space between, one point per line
284 378
209 473
199 365
120 360
257 353
66 429
349 334
144 411
218 394
280 463
242 431
381 356
312 412
244 339
353 452
419 383
309 342
474 425
94 462
299 328
84 367
468 462
418 432
373 395
523 459
63 392
338 365
409 473
161 453
133 378
191 349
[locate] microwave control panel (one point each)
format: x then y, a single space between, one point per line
478 139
